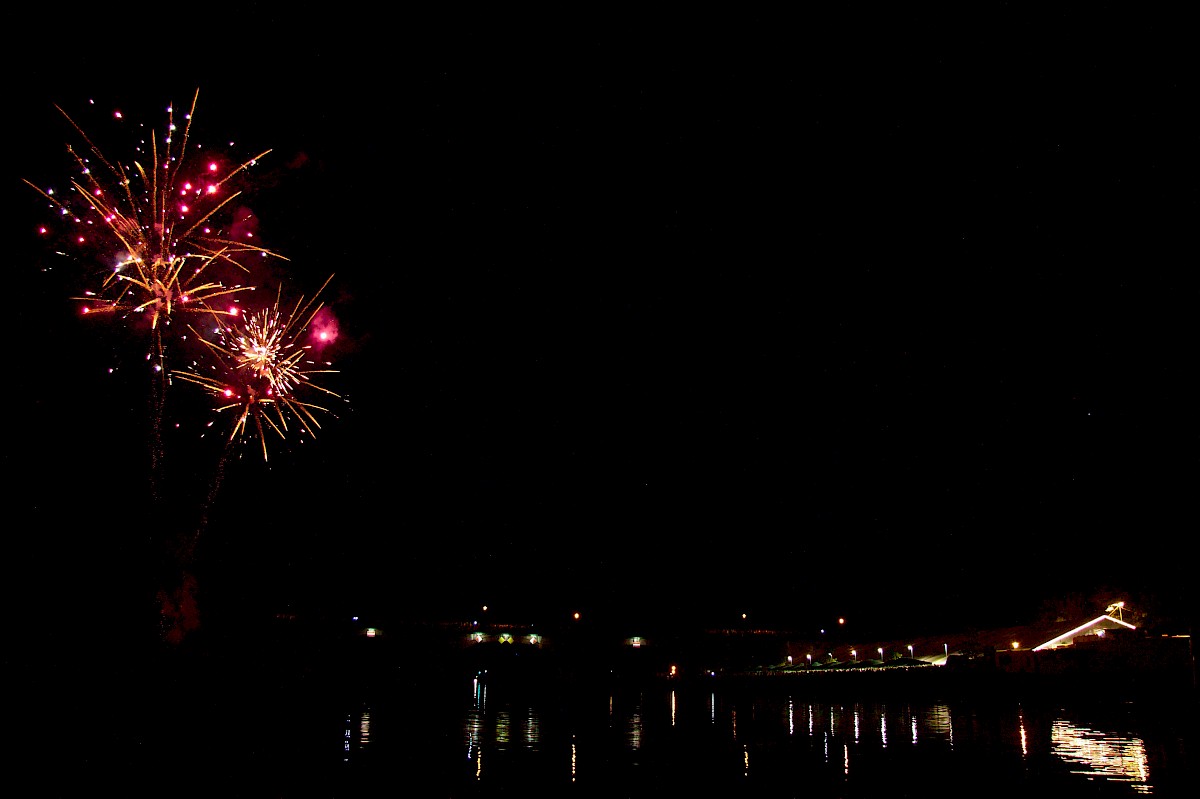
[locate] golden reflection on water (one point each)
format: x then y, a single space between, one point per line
1024 737
502 727
937 721
858 722
356 732
633 732
533 729
474 735
364 728
755 727
1095 753
518 727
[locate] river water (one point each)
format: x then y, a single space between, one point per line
455 734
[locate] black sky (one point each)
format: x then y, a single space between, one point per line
795 316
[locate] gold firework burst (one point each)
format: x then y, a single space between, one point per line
261 370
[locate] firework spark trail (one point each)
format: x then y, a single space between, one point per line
260 369
166 248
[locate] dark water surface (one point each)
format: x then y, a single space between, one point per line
448 733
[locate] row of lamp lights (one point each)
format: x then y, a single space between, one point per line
854 653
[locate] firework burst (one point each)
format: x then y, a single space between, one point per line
158 223
167 239
261 371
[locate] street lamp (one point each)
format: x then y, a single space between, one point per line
810 660
880 651
910 654
854 654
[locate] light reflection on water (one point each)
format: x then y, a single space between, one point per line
657 737
480 738
357 732
1097 753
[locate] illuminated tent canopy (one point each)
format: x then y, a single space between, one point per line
1097 627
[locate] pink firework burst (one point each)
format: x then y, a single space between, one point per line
162 229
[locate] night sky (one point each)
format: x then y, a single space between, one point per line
795 317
